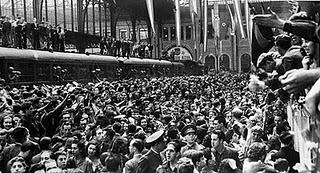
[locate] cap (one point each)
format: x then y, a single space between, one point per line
188 129
155 137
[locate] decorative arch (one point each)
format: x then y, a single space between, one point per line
245 62
224 62
180 53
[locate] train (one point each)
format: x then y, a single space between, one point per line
26 66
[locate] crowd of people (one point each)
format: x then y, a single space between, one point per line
125 48
218 123
108 126
36 35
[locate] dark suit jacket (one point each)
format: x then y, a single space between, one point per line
227 153
8 153
289 154
149 162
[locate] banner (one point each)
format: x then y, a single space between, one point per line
233 28
262 41
237 11
248 20
205 32
178 22
151 14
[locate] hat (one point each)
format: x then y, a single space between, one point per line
189 129
155 137
264 57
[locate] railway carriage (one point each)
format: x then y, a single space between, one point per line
37 67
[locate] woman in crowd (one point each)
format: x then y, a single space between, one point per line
17 165
79 157
93 154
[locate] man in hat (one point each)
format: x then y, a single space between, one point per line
151 160
189 132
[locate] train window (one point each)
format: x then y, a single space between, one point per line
165 33
65 72
188 32
26 70
173 33
43 72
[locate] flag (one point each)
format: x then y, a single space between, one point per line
193 12
178 22
237 10
151 13
205 35
193 9
233 29
262 41
248 20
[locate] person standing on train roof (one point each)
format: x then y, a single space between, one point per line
61 39
18 33
35 34
6 30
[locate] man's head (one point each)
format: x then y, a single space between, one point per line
136 146
286 139
282 43
278 119
20 134
185 165
189 132
172 151
66 129
257 133
266 62
113 163
219 123
217 138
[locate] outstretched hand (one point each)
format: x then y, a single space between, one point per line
297 79
271 20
